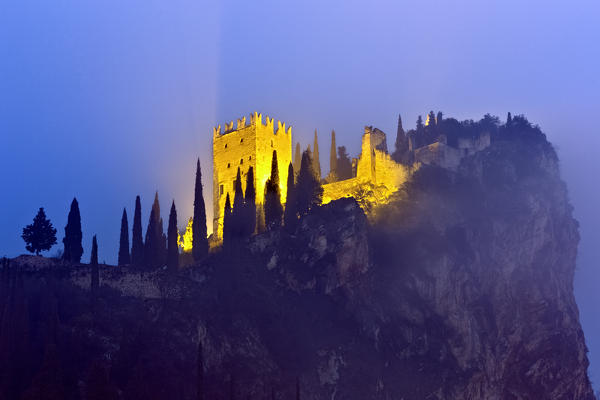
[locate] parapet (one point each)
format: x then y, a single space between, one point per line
256 119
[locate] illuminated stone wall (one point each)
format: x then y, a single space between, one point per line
377 175
250 144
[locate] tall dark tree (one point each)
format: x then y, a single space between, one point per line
333 157
172 247
431 119
40 235
419 123
290 215
401 145
272 206
508 119
309 191
250 204
238 208
344 164
137 243
316 160
227 222
155 246
124 241
199 238
297 158
94 264
72 240
439 118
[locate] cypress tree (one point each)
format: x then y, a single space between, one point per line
94 264
227 222
124 241
250 204
172 248
508 119
137 244
238 209
162 244
272 206
199 239
401 145
419 123
431 119
290 215
297 158
333 157
154 243
439 118
72 240
309 191
40 235
316 160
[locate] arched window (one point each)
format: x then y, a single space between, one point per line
228 165
225 145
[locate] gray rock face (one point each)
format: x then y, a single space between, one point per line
460 288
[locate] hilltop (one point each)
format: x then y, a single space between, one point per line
460 286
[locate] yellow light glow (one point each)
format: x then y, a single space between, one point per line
185 241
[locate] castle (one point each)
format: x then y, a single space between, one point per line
250 144
375 175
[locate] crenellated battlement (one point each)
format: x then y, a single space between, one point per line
256 119
250 143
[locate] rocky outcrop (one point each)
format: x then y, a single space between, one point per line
460 288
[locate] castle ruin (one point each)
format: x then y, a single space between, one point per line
375 175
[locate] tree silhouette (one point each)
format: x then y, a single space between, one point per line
199 239
227 222
439 118
309 192
344 164
155 246
333 157
94 264
297 158
40 235
316 160
290 215
172 248
419 123
238 209
124 241
431 119
508 119
250 204
272 206
401 144
137 244
72 240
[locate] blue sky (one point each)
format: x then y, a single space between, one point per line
105 100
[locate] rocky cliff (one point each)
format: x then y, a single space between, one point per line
460 288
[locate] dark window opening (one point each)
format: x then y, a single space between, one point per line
228 165
221 190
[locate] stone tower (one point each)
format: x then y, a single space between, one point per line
248 145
